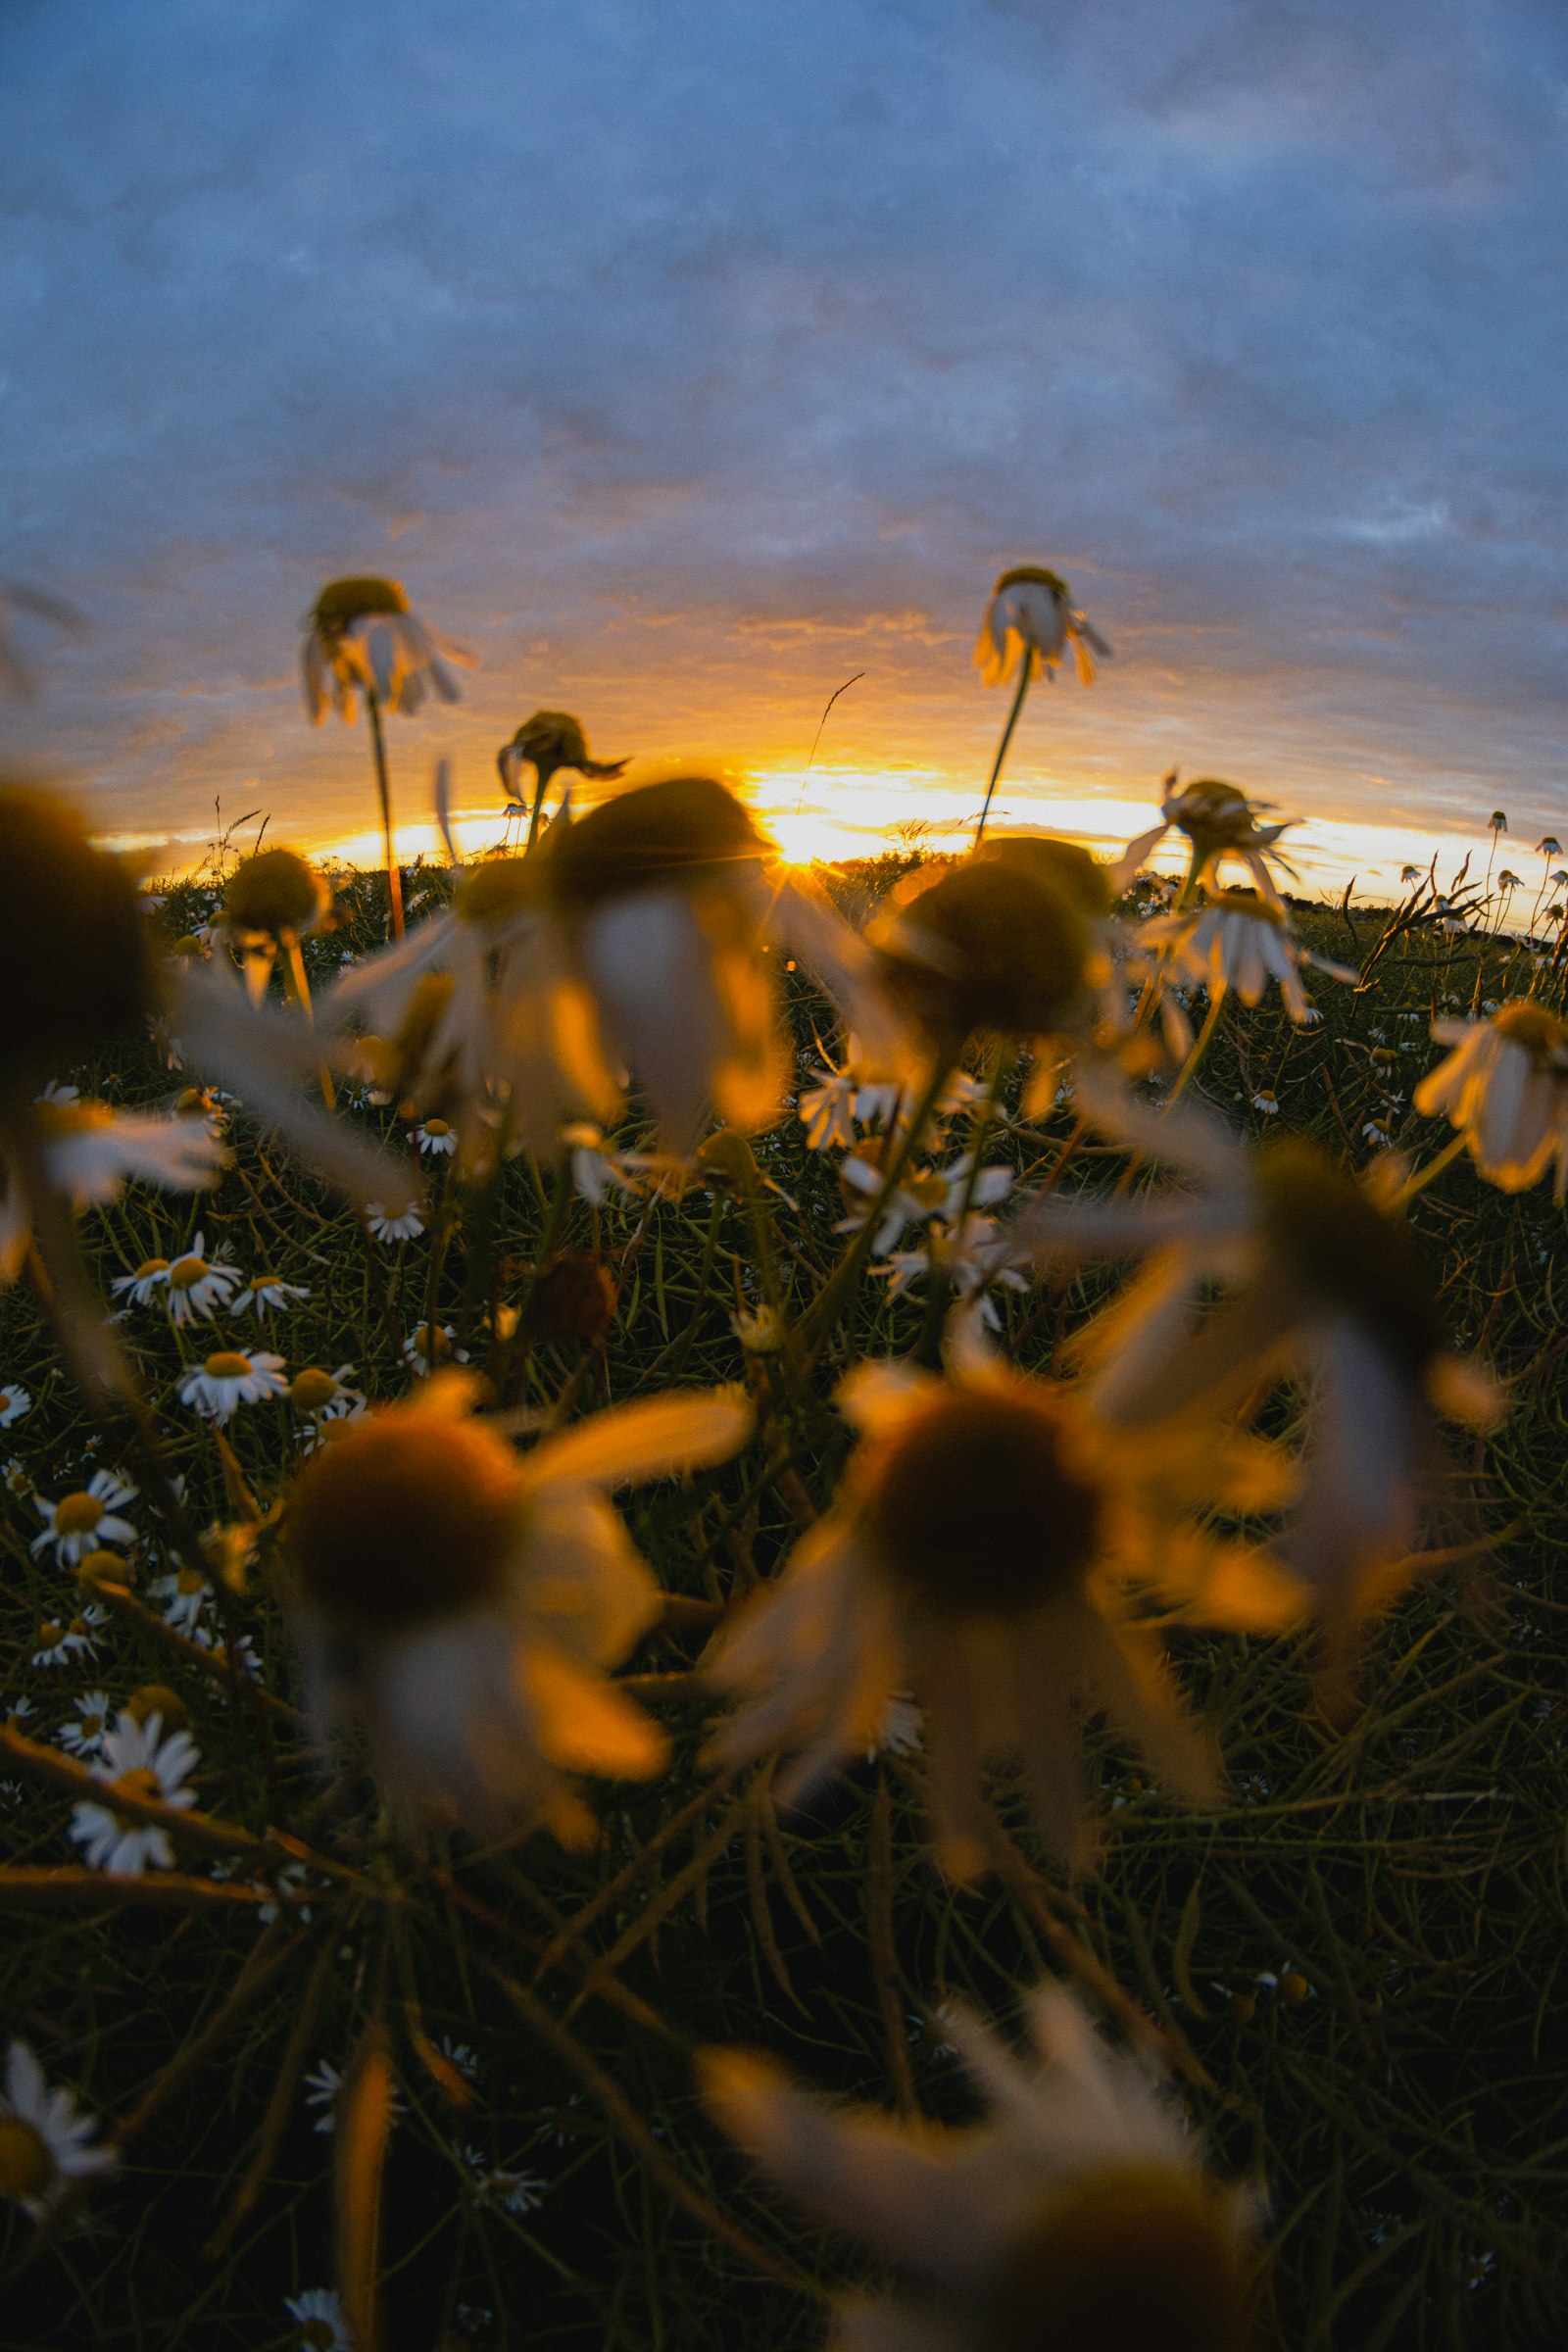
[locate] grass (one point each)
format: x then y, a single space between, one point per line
1357 1963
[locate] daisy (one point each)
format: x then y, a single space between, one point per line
323 2087
183 1596
826 1109
513 2192
142 1286
87 1520
14 1403
90 1152
1219 822
318 1396
197 1286
84 1736
1077 2214
436 1137
233 1376
940 1193
269 1294
974 1258
1505 1088
59 1644
977 1556
1322 1285
319 2316
139 1760
595 1172
44 2138
1268 1101
429 1345
462 1601
386 1225
1240 940
550 741
1031 617
274 900
363 637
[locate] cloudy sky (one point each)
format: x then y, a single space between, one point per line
685 356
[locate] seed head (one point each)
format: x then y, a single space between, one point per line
687 831
976 1513
1118 2259
1064 864
409 1516
994 945
26 2167
74 972
275 892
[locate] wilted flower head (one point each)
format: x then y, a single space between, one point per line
1548 847
1032 616
1242 942
995 944
276 893
1498 821
363 637
549 739
1077 2216
1505 1088
461 1600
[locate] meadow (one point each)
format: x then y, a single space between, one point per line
396 2034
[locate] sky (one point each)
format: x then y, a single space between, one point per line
685 357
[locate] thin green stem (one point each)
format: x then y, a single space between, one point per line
1200 1043
1025 674
383 785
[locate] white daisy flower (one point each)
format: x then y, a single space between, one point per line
973 1259
392 1226
1268 1101
137 1759
142 1286
232 1377
268 1295
91 1151
363 637
595 1172
826 1109
435 1137
1219 822
198 1286
936 1193
15 1404
44 2139
1378 1133
1031 617
1241 942
324 2085
427 1347
62 1642
463 1600
83 1736
87 1520
319 2317
1505 1088
488 2184
1077 2212
320 1396
183 1596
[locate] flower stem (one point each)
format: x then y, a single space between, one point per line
1423 1176
1200 1043
1025 672
383 785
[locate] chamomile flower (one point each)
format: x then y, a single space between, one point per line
269 1295
1031 617
88 1153
363 637
272 900
320 1397
491 2184
936 1193
142 1286
429 1345
82 1734
44 2137
1241 942
978 1557
826 1109
461 1601
595 1171
198 1287
320 2321
234 1376
1077 2214
436 1139
139 1760
1219 822
15 1404
386 1225
87 1520
973 1258
64 1642
1268 1101
550 742
182 1595
1505 1088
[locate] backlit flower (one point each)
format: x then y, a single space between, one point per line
137 1759
550 741
362 637
87 1520
977 1556
67 1641
232 1377
1219 821
1241 942
271 902
1077 2216
1031 617
198 1287
44 2139
1505 1088
461 1601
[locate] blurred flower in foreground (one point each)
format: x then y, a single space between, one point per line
272 900
1505 1088
1077 2216
461 1601
43 2137
320 2321
977 1556
1241 942
137 1759
1031 617
363 637
1219 822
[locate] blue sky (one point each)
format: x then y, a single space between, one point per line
684 358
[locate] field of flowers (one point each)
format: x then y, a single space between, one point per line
756 1608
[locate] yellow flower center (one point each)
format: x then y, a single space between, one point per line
186 1272
1214 816
687 831
228 1364
342 602
276 890
1543 1037
318 2334
1066 865
27 2166
188 946
74 970
437 1127
155 1265
976 1512
1343 1253
1119 2260
1007 950
310 1389
49 1633
155 1698
412 1515
189 1579
1032 575
193 1098
142 1781
102 1567
77 1514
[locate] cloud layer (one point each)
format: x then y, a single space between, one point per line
685 357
